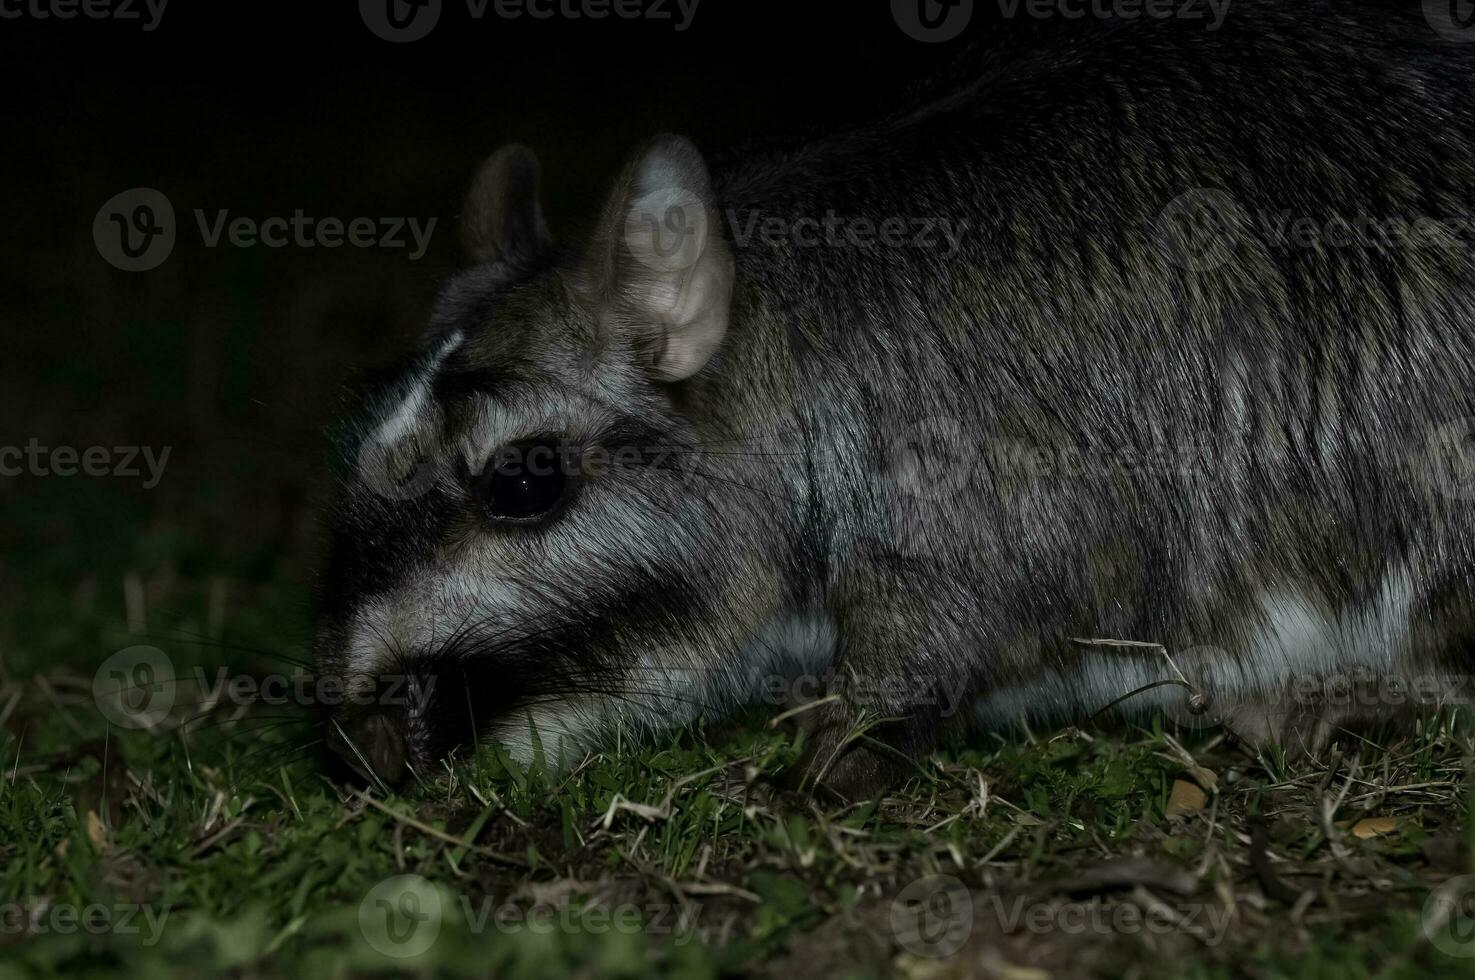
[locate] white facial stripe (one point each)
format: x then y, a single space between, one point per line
406 415
402 421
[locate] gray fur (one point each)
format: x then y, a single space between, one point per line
1239 454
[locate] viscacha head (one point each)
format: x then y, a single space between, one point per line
534 541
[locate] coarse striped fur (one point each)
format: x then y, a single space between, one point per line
1144 389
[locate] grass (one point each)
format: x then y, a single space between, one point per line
220 847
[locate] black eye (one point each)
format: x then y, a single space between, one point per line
524 482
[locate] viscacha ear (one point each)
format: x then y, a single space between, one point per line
503 216
669 276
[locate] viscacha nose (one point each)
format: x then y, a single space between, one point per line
373 746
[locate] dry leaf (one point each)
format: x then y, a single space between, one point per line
1207 779
96 832
1374 827
1186 798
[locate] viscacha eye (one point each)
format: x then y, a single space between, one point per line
524 482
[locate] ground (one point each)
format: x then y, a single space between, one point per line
214 842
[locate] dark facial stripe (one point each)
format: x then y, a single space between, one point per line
456 382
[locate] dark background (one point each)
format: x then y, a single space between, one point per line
238 359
